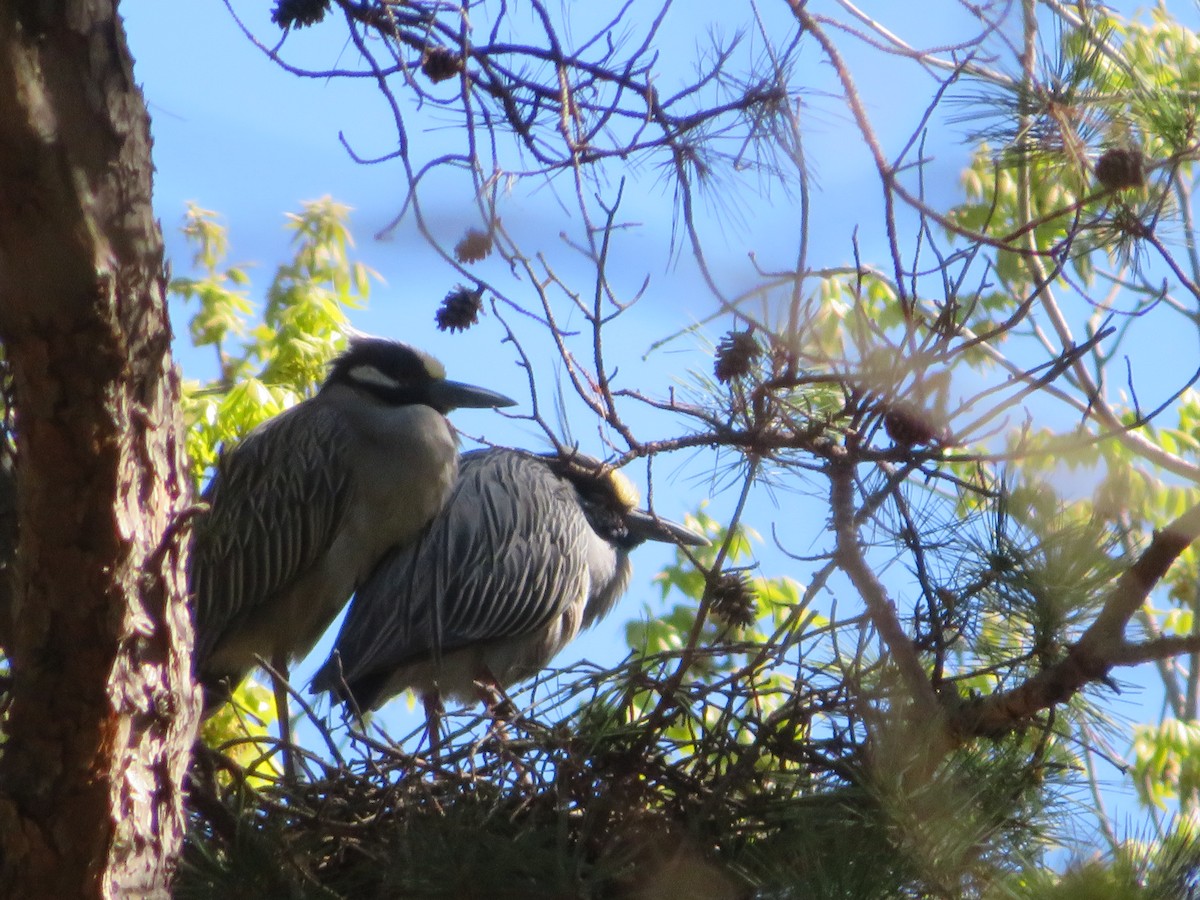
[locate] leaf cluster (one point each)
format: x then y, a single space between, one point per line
266 362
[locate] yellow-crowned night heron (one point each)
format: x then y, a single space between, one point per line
304 508
529 551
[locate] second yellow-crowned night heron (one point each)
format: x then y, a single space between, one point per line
305 507
529 551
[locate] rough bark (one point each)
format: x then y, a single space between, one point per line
103 709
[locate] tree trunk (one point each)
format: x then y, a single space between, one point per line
103 707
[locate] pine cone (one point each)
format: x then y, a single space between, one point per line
440 63
460 309
910 426
733 600
735 355
474 246
1121 167
299 13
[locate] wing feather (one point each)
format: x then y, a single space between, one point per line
275 503
489 567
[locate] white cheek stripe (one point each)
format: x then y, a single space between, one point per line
371 375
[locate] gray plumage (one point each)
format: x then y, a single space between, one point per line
528 552
306 505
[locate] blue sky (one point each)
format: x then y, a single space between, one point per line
235 133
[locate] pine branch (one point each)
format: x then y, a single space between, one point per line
1101 647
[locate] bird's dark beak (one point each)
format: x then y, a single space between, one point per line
447 395
646 527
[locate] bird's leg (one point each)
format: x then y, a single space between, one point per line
433 722
499 706
279 681
501 710
497 703
200 784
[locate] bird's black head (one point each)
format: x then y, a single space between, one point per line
398 374
610 503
